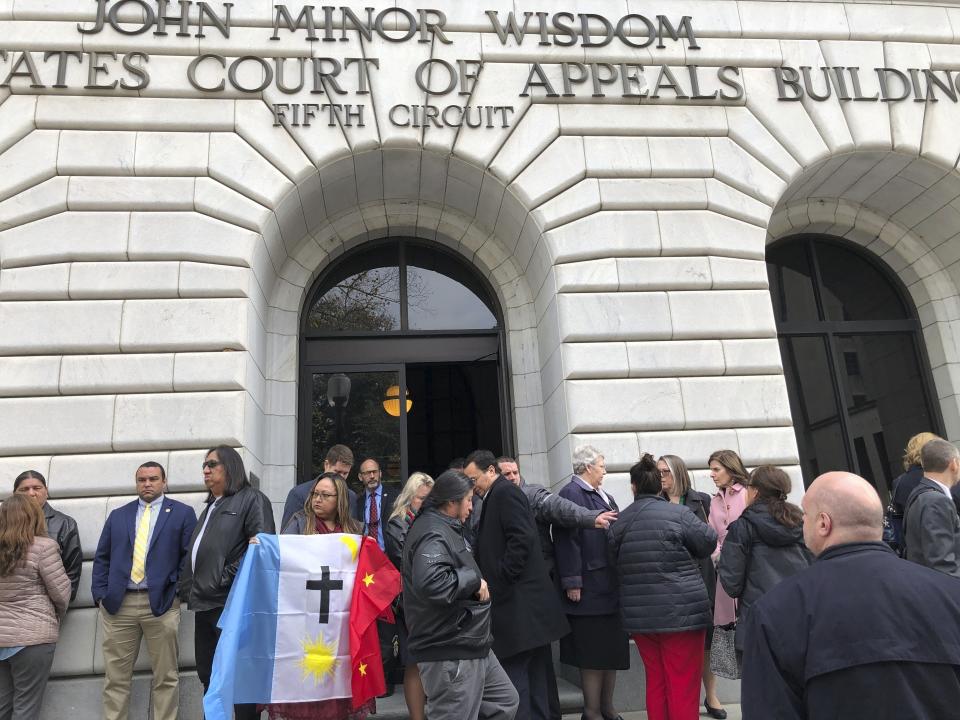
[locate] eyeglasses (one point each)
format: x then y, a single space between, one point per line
211 464
664 473
324 496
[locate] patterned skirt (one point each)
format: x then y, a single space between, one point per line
337 709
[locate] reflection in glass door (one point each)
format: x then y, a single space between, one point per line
401 359
853 359
362 411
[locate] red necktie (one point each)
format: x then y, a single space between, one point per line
373 523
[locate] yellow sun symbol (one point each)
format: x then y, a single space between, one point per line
319 659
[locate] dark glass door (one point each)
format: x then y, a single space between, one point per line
412 417
853 359
359 409
456 410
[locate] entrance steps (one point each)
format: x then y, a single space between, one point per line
394 707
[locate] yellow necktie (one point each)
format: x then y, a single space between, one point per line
138 571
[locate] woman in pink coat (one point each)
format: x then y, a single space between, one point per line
730 477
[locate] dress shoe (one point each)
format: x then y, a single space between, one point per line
718 713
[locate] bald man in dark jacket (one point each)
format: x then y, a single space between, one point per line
824 644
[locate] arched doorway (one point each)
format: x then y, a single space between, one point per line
401 360
856 371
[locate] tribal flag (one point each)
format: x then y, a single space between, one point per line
299 623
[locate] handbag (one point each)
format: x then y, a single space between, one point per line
724 659
723 652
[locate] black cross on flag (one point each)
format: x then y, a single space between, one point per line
325 585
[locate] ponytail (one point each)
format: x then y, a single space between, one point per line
773 485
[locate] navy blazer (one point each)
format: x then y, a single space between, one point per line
583 558
169 546
387 499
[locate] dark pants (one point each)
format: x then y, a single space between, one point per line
23 678
553 692
206 634
387 633
528 673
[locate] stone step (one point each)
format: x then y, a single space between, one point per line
394 707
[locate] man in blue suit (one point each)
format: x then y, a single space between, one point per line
135 574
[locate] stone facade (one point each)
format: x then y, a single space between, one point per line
157 244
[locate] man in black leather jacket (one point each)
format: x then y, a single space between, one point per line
447 607
60 526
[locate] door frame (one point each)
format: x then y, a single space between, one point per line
320 351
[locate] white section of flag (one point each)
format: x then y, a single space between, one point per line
302 558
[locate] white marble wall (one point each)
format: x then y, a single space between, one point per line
156 247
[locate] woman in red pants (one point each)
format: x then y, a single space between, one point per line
663 601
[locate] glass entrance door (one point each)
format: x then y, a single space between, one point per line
409 417
401 360
357 409
853 359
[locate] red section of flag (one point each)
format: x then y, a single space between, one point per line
376 585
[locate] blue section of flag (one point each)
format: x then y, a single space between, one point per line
243 664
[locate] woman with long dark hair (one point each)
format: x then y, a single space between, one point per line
678 488
233 517
327 510
34 594
447 607
663 602
764 545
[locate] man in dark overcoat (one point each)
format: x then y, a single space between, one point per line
526 610
861 633
931 527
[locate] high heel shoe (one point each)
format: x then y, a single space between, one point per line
718 713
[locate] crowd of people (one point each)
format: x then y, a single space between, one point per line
497 569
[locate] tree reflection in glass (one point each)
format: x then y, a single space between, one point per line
368 300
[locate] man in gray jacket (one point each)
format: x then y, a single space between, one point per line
550 509
932 527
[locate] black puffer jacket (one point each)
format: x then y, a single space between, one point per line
758 553
440 581
656 546
235 519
